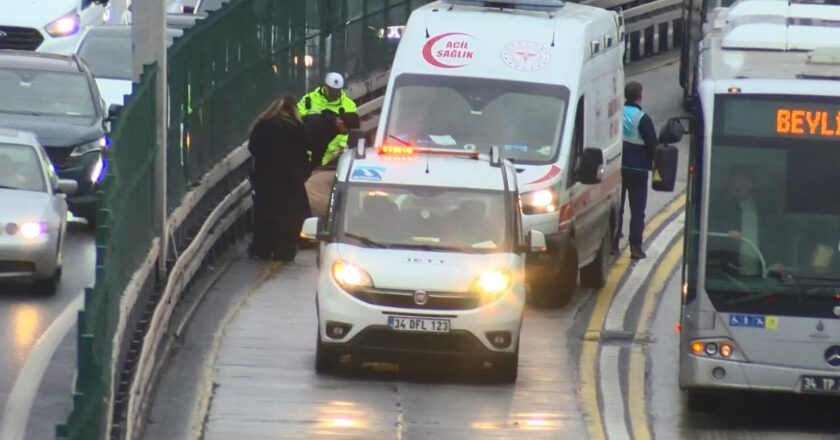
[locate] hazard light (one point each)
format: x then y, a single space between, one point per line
396 150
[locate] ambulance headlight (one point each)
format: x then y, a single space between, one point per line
492 283
350 276
540 201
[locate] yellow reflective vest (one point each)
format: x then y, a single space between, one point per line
315 102
335 148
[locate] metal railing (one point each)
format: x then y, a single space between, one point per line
222 73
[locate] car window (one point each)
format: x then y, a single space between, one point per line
205 6
20 168
36 92
108 56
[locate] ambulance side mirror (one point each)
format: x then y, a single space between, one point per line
536 241
672 132
590 169
309 231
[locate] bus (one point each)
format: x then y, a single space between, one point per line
760 307
695 16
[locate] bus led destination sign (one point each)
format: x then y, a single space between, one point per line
781 117
801 122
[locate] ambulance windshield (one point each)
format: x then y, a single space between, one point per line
426 218
525 120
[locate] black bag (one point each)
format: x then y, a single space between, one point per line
665 168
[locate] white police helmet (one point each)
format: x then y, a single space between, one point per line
334 80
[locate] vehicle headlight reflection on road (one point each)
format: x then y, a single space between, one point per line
338 416
25 322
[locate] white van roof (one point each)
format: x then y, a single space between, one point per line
420 169
520 43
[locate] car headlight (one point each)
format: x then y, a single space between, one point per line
350 276
540 201
32 230
492 283
63 26
85 148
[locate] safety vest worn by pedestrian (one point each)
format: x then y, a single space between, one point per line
315 102
634 152
335 148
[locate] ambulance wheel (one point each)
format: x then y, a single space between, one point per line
326 362
506 370
594 274
567 277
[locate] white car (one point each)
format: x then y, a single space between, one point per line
422 259
47 26
33 212
107 52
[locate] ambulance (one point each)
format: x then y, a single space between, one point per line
542 80
419 266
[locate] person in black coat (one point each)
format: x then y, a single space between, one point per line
322 128
278 145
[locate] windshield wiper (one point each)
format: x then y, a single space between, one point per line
8 187
365 241
400 140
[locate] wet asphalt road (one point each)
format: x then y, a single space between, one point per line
25 316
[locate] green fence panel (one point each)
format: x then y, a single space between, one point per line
125 228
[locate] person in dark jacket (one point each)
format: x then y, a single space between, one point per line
323 128
637 160
278 146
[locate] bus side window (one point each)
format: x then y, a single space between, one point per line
577 141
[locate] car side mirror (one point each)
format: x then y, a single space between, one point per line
536 241
672 132
113 111
590 168
310 230
67 186
357 139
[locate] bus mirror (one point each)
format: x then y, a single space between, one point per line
672 132
590 168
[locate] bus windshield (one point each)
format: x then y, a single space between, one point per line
524 120
774 205
436 219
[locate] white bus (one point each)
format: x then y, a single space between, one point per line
761 278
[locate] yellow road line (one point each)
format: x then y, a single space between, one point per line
636 376
589 354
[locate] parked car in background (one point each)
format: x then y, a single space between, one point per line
56 98
107 52
33 212
47 26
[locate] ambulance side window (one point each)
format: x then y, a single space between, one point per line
577 141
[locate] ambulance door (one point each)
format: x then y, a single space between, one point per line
583 205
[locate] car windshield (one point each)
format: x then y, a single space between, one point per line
108 56
20 168
45 93
524 120
774 209
426 218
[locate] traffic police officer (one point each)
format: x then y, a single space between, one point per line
637 160
329 96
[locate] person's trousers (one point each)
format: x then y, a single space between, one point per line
634 189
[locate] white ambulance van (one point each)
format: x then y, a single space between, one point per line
419 265
542 80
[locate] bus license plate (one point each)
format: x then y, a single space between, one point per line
820 384
426 325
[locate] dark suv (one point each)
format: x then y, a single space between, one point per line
55 97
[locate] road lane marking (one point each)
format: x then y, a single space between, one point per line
636 383
617 313
610 382
588 371
25 389
599 314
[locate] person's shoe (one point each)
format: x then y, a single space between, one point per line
637 253
614 249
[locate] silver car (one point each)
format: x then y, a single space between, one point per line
33 212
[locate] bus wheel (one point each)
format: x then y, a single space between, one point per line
701 402
594 275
